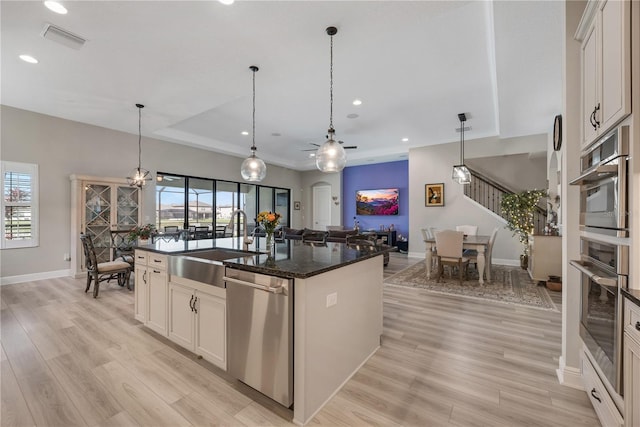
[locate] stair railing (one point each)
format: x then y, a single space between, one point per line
489 193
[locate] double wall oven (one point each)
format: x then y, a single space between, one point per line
604 250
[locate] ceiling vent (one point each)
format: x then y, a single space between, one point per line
61 36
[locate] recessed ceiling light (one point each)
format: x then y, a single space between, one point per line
227 2
405 139
312 154
56 7
28 58
357 102
244 132
276 134
352 116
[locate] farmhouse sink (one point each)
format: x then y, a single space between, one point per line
204 266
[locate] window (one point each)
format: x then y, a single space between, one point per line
19 205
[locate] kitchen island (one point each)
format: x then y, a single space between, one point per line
336 296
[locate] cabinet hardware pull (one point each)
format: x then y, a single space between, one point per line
144 276
156 271
190 303
595 396
594 115
638 326
194 305
592 118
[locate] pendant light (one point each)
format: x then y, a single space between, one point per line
331 156
139 176
461 172
253 168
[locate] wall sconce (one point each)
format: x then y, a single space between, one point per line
335 200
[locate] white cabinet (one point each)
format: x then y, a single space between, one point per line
545 257
605 33
99 205
600 399
631 357
151 290
198 319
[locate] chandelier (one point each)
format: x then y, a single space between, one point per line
139 176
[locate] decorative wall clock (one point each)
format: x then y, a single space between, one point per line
557 132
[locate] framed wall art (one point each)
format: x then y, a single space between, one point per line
434 194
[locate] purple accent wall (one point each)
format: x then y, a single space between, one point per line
371 177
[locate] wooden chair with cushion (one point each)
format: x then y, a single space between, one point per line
121 246
99 272
449 243
316 237
171 228
428 235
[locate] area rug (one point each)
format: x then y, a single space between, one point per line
509 285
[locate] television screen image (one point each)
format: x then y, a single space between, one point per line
377 202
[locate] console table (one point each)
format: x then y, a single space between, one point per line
388 237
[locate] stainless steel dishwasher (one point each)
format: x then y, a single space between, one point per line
260 332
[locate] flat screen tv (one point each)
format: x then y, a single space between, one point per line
377 202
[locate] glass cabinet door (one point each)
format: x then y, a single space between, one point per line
128 207
97 217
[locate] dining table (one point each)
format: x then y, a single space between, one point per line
478 243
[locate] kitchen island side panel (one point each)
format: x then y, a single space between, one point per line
331 343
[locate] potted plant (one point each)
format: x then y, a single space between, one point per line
141 233
518 209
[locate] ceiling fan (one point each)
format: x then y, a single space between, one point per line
346 147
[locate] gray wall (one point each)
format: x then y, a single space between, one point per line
62 147
517 172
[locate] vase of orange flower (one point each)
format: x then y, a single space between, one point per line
269 221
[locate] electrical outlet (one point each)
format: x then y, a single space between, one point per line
332 299
67 257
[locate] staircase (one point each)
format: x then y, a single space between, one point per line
488 194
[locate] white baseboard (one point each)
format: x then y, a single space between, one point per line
415 255
10 280
569 376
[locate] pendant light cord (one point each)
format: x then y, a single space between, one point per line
253 130
139 136
331 87
461 142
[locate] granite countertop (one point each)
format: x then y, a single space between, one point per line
632 294
290 259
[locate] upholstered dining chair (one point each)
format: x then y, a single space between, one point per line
473 254
468 230
99 272
449 244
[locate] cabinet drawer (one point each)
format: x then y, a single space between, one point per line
141 257
632 319
600 399
157 260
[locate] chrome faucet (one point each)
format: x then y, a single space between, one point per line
246 241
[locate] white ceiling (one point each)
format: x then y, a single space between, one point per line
414 64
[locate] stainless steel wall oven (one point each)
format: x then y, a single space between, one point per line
604 271
603 181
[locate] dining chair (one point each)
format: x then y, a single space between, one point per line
427 235
121 246
171 228
201 232
449 243
99 272
468 230
472 254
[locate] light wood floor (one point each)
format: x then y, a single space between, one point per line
68 360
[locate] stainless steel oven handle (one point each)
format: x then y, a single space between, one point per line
277 290
604 281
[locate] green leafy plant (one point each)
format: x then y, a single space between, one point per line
141 232
518 209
